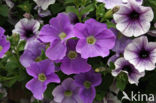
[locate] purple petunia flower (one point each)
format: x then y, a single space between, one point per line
4 44
133 19
141 53
44 3
31 53
27 28
43 74
87 83
57 33
120 45
72 62
67 92
109 4
122 65
94 38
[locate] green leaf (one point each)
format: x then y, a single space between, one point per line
68 1
102 89
56 8
110 24
11 65
87 9
4 10
72 9
122 81
50 88
100 10
26 6
21 45
112 66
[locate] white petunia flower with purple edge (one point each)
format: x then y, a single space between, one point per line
141 53
133 19
109 4
122 65
27 28
44 4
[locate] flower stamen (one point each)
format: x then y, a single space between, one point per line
68 93
91 40
1 48
62 35
87 84
42 77
72 55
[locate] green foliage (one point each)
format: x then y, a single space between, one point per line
4 10
104 87
72 9
100 11
26 6
56 8
121 81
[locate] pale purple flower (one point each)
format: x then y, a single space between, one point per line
141 53
32 52
153 32
44 4
9 3
43 13
113 58
4 44
122 65
87 83
67 92
27 28
133 19
2 31
109 4
120 45
53 101
3 92
94 38
43 74
72 63
57 33
111 98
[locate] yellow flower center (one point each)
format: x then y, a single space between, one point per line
42 77
91 40
62 35
72 55
1 48
68 93
38 59
87 84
